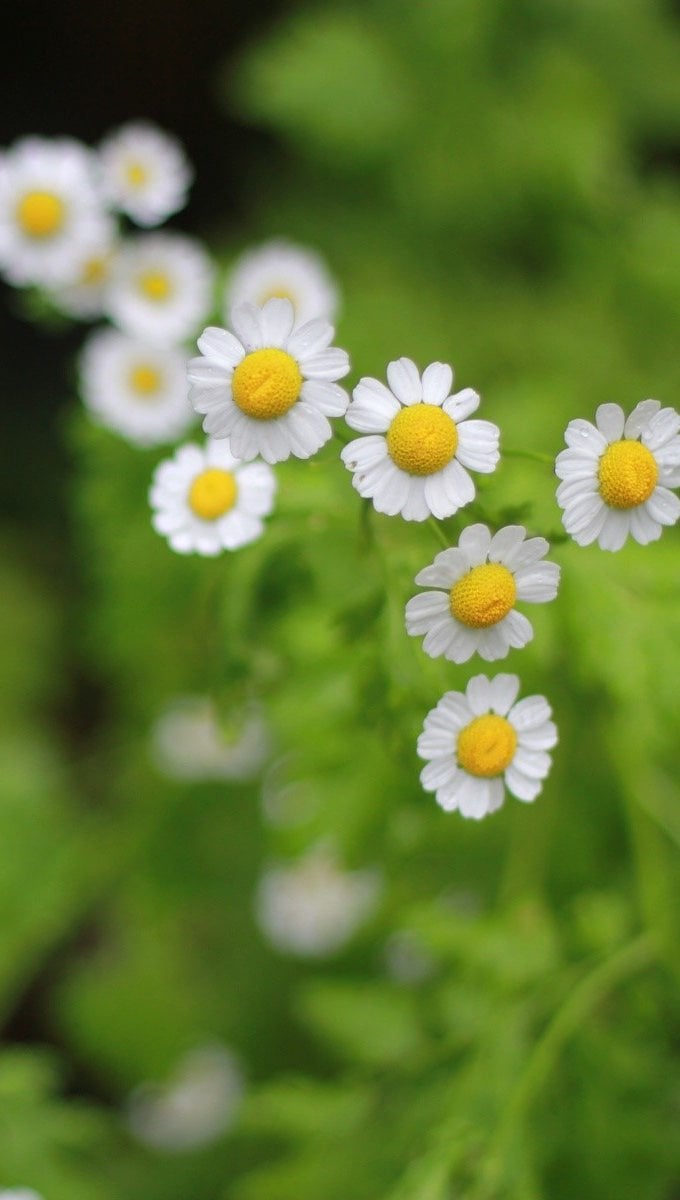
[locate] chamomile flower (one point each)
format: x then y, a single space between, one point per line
290 272
161 287
135 388
484 740
616 475
197 1105
267 387
190 741
86 296
478 582
312 907
206 501
145 172
50 207
420 442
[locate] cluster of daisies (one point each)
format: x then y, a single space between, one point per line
267 386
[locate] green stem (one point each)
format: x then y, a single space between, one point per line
439 532
631 958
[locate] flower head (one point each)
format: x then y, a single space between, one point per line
206 501
268 387
145 172
616 475
198 1104
50 207
191 742
420 442
137 389
290 272
85 296
480 580
480 741
161 287
313 907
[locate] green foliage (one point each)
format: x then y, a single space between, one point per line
481 178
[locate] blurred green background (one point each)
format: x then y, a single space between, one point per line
494 183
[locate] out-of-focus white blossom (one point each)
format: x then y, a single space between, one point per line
190 742
197 1105
313 907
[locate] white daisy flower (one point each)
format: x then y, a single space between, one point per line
616 475
161 287
206 501
137 389
267 387
420 442
196 1106
482 577
86 296
190 742
480 741
290 272
145 172
313 907
50 207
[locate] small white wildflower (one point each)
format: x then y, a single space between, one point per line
616 475
421 444
481 578
312 907
190 743
206 501
480 741
268 387
161 287
281 269
137 389
145 172
195 1107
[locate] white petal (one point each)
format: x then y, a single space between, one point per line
475 542
535 764
530 713
478 694
520 786
474 798
308 430
504 544
330 399
414 506
438 772
581 435
276 321
538 584
503 693
615 529
609 419
310 338
404 379
437 383
363 453
663 506
328 364
463 642
639 420
245 319
221 345
478 445
663 428
423 609
462 405
493 644
373 407
447 568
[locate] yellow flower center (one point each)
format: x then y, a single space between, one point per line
484 596
145 379
155 285
627 473
266 384
212 493
486 746
422 439
93 272
136 174
41 214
